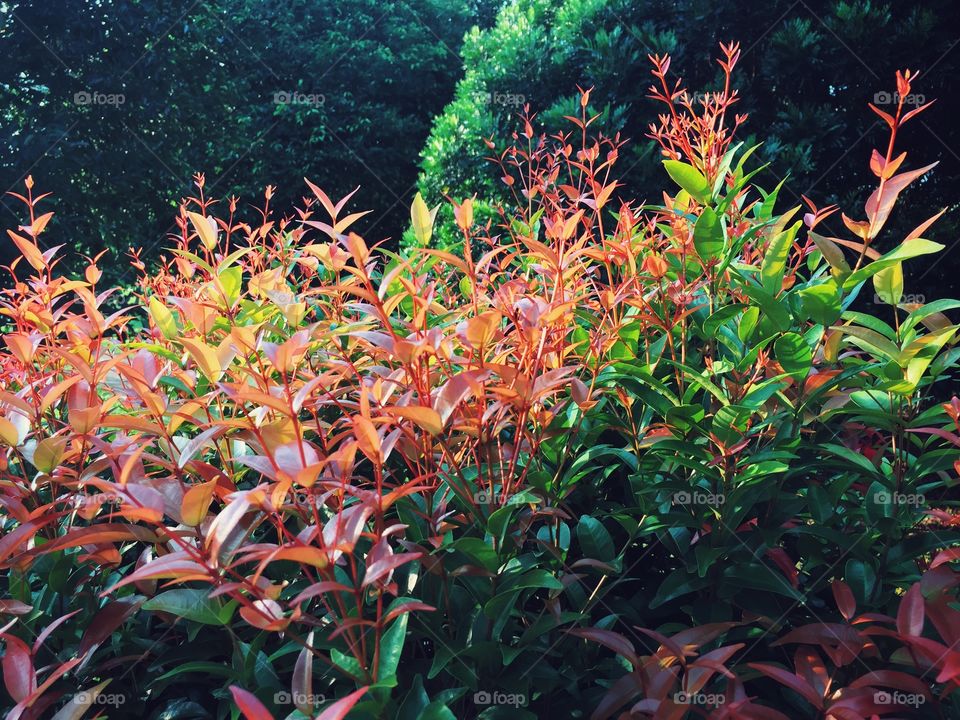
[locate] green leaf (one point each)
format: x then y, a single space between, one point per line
821 303
888 284
775 259
188 603
690 179
679 582
758 576
708 237
793 354
231 279
774 310
748 323
595 541
718 318
391 647
905 251
831 253
861 578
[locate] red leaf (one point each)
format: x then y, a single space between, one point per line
108 618
251 708
784 677
910 614
19 677
843 596
340 708
609 639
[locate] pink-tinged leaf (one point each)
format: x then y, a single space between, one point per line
320 588
12 541
248 704
881 202
843 596
707 665
946 556
223 528
455 391
80 703
945 618
787 566
916 111
406 607
177 564
265 614
340 708
809 666
910 614
824 634
386 565
302 682
94 535
887 117
922 227
343 530
787 678
620 693
611 640
893 679
19 676
108 618
48 630
14 607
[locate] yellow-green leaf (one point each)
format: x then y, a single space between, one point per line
163 318
422 220
206 229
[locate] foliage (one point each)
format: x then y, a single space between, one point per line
112 105
610 460
804 65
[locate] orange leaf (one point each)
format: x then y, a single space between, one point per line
426 418
367 438
196 502
205 357
29 251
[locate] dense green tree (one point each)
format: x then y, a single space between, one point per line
113 105
806 73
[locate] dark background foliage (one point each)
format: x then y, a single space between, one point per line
200 84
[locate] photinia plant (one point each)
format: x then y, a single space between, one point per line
603 459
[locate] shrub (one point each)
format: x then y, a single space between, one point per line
609 460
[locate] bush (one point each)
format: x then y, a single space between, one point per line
609 460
